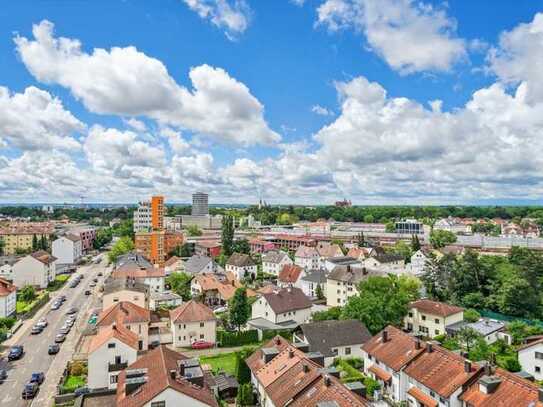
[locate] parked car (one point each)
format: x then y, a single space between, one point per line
95 280
55 306
202 345
69 322
60 338
100 274
87 292
30 390
72 311
220 310
64 330
53 349
36 330
3 375
42 322
62 298
92 285
81 390
16 352
37 377
154 344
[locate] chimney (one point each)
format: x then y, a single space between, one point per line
417 343
429 347
488 369
328 382
306 368
173 374
384 335
348 268
290 353
467 366
540 394
114 326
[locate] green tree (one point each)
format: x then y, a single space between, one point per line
415 243
2 246
43 244
382 301
180 284
517 297
34 243
390 227
122 246
332 313
467 337
241 246
361 240
245 395
103 237
194 230
471 315
227 237
319 293
27 293
441 238
239 308
369 218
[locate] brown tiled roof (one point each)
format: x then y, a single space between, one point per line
272 370
319 392
436 308
209 281
441 371
255 362
240 260
290 273
292 382
159 363
44 257
422 397
396 352
125 311
27 228
6 288
512 391
530 344
380 373
117 331
357 252
305 252
287 299
133 271
171 261
192 311
269 288
208 244
72 237
329 250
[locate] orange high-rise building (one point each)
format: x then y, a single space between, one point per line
157 212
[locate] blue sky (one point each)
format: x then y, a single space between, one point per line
382 102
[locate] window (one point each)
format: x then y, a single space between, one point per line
113 379
537 369
424 317
117 360
201 324
437 331
158 404
111 345
539 355
347 351
437 320
201 336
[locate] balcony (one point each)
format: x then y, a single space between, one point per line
115 367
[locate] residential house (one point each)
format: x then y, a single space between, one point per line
166 299
164 378
192 322
208 248
261 246
216 289
310 280
67 249
111 350
498 387
284 375
431 318
490 330
273 262
8 298
86 234
123 290
132 317
332 262
241 265
19 236
530 357
342 283
454 225
291 242
135 266
386 262
386 355
287 306
174 265
334 338
450 375
37 269
6 266
307 257
290 275
418 262
359 253
328 250
200 264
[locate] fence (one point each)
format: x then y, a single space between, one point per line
509 318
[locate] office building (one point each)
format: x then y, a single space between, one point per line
200 204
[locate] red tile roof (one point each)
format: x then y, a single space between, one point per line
319 392
124 311
255 362
192 311
380 373
159 363
397 351
290 273
306 252
436 308
512 391
441 370
44 257
422 397
287 299
133 271
6 288
171 261
117 331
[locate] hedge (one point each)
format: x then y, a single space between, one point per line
272 333
226 339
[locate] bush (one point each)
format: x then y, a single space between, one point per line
7 323
471 315
245 395
237 338
78 369
371 386
272 333
357 363
243 373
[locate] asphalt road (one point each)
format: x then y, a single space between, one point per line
36 358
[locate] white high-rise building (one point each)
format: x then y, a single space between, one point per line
200 204
142 217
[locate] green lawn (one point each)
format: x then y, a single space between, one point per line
226 361
74 382
60 280
24 306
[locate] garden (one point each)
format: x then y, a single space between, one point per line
351 371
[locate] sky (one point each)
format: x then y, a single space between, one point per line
289 101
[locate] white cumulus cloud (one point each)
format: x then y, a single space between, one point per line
232 16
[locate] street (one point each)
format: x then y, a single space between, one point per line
36 358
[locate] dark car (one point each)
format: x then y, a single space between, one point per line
81 390
30 390
100 274
16 352
62 298
60 338
87 292
72 311
37 377
95 280
55 306
36 329
53 349
154 344
3 375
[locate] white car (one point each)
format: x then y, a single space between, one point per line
42 323
220 310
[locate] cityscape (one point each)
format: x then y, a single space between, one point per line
288 203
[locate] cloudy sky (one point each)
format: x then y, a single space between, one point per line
378 101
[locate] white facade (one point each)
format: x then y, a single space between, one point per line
399 382
67 251
308 262
172 397
8 304
531 360
111 352
275 268
338 292
6 271
241 272
429 325
30 271
393 267
156 284
142 217
185 333
418 263
261 309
